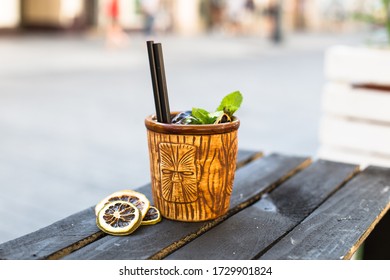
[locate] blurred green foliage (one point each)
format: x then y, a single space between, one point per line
377 17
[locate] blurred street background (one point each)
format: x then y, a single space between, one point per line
75 88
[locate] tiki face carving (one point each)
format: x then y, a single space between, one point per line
178 172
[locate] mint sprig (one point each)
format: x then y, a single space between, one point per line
202 116
229 105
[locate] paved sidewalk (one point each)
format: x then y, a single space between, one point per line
71 112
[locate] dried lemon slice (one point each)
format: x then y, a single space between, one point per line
152 216
136 198
119 218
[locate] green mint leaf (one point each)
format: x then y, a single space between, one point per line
215 114
201 115
230 103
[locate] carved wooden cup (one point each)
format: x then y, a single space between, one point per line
192 168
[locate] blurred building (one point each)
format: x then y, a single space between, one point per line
9 14
48 14
83 14
179 16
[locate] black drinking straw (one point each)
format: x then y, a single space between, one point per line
153 74
162 83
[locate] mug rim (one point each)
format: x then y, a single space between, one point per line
190 129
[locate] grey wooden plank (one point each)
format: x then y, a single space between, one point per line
73 232
339 226
254 229
76 229
157 241
246 156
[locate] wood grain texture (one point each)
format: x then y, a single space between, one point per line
71 233
339 226
254 229
75 230
159 240
192 175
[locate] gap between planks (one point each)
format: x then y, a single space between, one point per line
250 181
377 203
190 237
355 172
242 235
75 246
244 158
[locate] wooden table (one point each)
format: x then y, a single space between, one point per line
282 207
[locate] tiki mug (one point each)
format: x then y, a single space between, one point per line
192 168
